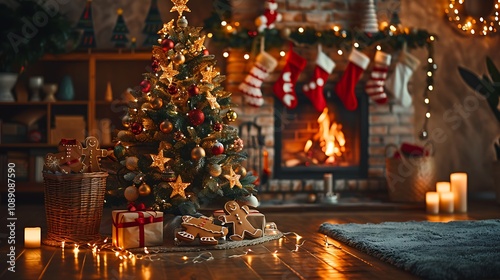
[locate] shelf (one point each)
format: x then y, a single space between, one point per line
98 56
27 145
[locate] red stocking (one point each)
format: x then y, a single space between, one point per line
345 88
314 89
284 88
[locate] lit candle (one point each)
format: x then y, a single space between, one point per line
446 202
458 182
32 236
432 202
443 187
328 183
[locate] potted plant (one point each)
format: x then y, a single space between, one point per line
29 30
489 87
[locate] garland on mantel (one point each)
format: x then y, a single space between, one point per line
391 37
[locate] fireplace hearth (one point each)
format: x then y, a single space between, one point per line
309 143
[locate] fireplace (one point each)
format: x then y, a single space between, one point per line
309 143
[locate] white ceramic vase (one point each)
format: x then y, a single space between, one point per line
7 82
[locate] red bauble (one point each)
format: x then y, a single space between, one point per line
218 127
217 148
196 117
252 33
155 66
136 128
193 90
145 86
167 44
206 52
173 90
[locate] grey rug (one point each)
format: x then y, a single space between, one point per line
453 250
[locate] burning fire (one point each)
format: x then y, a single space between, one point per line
330 138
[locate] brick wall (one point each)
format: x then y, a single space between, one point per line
387 124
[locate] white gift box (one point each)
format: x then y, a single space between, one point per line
135 229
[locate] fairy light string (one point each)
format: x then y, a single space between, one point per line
482 25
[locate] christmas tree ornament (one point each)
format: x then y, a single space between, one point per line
168 175
212 100
168 73
237 145
159 160
146 106
179 58
314 89
136 128
172 110
205 52
270 16
240 170
217 148
193 90
131 193
125 135
375 85
345 88
155 66
197 153
208 74
145 86
182 22
126 120
397 83
166 126
131 163
233 178
284 87
167 44
370 23
214 169
178 187
144 189
178 136
180 7
156 103
172 89
250 87
119 150
196 117
218 127
231 115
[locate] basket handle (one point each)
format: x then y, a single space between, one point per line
394 146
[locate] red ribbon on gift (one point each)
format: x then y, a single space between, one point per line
139 222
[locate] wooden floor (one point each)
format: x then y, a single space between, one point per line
278 259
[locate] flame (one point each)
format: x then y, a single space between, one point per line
330 137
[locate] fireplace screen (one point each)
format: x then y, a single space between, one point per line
310 143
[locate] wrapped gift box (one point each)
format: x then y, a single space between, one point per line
256 219
135 229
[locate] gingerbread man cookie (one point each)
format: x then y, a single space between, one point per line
92 154
202 227
68 159
238 217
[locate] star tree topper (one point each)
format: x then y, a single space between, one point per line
178 187
233 178
180 7
159 160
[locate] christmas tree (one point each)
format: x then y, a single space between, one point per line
120 31
179 149
153 23
85 23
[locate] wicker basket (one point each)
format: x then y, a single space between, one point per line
74 205
409 178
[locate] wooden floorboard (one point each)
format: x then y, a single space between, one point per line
310 257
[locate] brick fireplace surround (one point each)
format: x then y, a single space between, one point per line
387 123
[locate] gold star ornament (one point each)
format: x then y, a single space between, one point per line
180 7
233 178
159 160
209 74
178 187
168 73
212 100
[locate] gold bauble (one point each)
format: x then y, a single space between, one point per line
126 120
231 115
240 170
197 153
157 103
166 126
214 169
125 135
144 189
131 193
146 106
131 163
179 58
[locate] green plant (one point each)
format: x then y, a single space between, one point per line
489 87
29 30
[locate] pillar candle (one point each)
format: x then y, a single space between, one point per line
446 202
458 182
32 236
432 202
443 187
328 183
